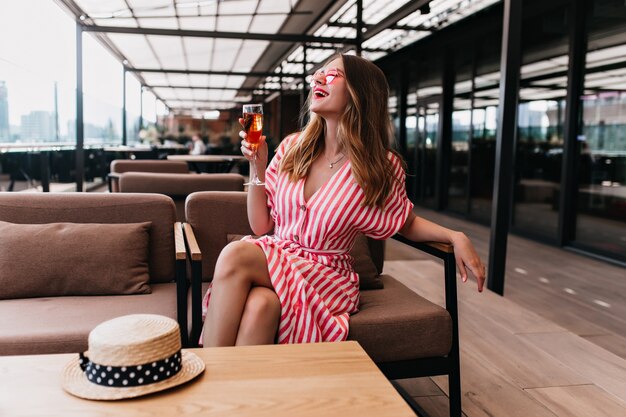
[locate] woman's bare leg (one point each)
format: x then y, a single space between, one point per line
240 266
261 315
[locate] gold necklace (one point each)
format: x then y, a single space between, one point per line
331 164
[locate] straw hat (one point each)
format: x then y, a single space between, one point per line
130 356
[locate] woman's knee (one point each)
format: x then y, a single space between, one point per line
237 259
262 306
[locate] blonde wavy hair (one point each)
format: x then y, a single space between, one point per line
365 133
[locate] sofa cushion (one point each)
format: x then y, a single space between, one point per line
369 278
62 324
396 324
39 208
61 259
177 185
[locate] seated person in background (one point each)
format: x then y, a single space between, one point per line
198 146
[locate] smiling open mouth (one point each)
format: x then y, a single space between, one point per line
320 93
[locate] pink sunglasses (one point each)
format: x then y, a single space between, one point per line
329 77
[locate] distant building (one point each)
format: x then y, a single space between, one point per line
38 126
5 131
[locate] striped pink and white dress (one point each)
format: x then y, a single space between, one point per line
308 260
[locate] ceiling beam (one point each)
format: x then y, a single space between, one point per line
394 18
395 26
196 87
200 72
278 37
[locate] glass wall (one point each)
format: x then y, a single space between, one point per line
484 125
601 179
538 166
37 75
540 119
458 188
483 146
102 86
133 109
411 144
599 204
428 95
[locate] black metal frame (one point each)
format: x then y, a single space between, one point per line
444 138
80 132
124 133
182 289
449 365
575 88
196 291
505 145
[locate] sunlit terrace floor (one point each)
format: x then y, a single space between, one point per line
554 345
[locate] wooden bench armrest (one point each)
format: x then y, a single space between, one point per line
195 256
179 242
182 286
192 244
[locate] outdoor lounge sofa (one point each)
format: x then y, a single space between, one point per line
119 166
178 186
69 261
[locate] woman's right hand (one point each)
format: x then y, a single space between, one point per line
248 151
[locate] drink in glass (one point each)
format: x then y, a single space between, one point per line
253 126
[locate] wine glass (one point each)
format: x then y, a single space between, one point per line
253 126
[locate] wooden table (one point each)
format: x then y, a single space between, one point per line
212 162
321 380
206 158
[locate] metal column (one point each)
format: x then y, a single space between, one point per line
470 140
140 107
359 26
571 153
444 140
124 139
281 103
505 144
304 91
402 110
80 155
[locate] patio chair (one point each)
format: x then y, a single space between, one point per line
406 335
120 166
178 186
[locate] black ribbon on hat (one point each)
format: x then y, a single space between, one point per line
131 376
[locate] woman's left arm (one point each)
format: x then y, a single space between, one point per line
421 230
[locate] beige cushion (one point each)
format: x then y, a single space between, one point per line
61 259
62 324
369 278
395 324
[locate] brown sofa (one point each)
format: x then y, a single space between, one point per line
178 186
405 334
119 166
69 261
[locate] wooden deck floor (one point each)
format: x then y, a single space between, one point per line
554 345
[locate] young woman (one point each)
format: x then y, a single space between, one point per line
335 179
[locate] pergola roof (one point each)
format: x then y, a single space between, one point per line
213 54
